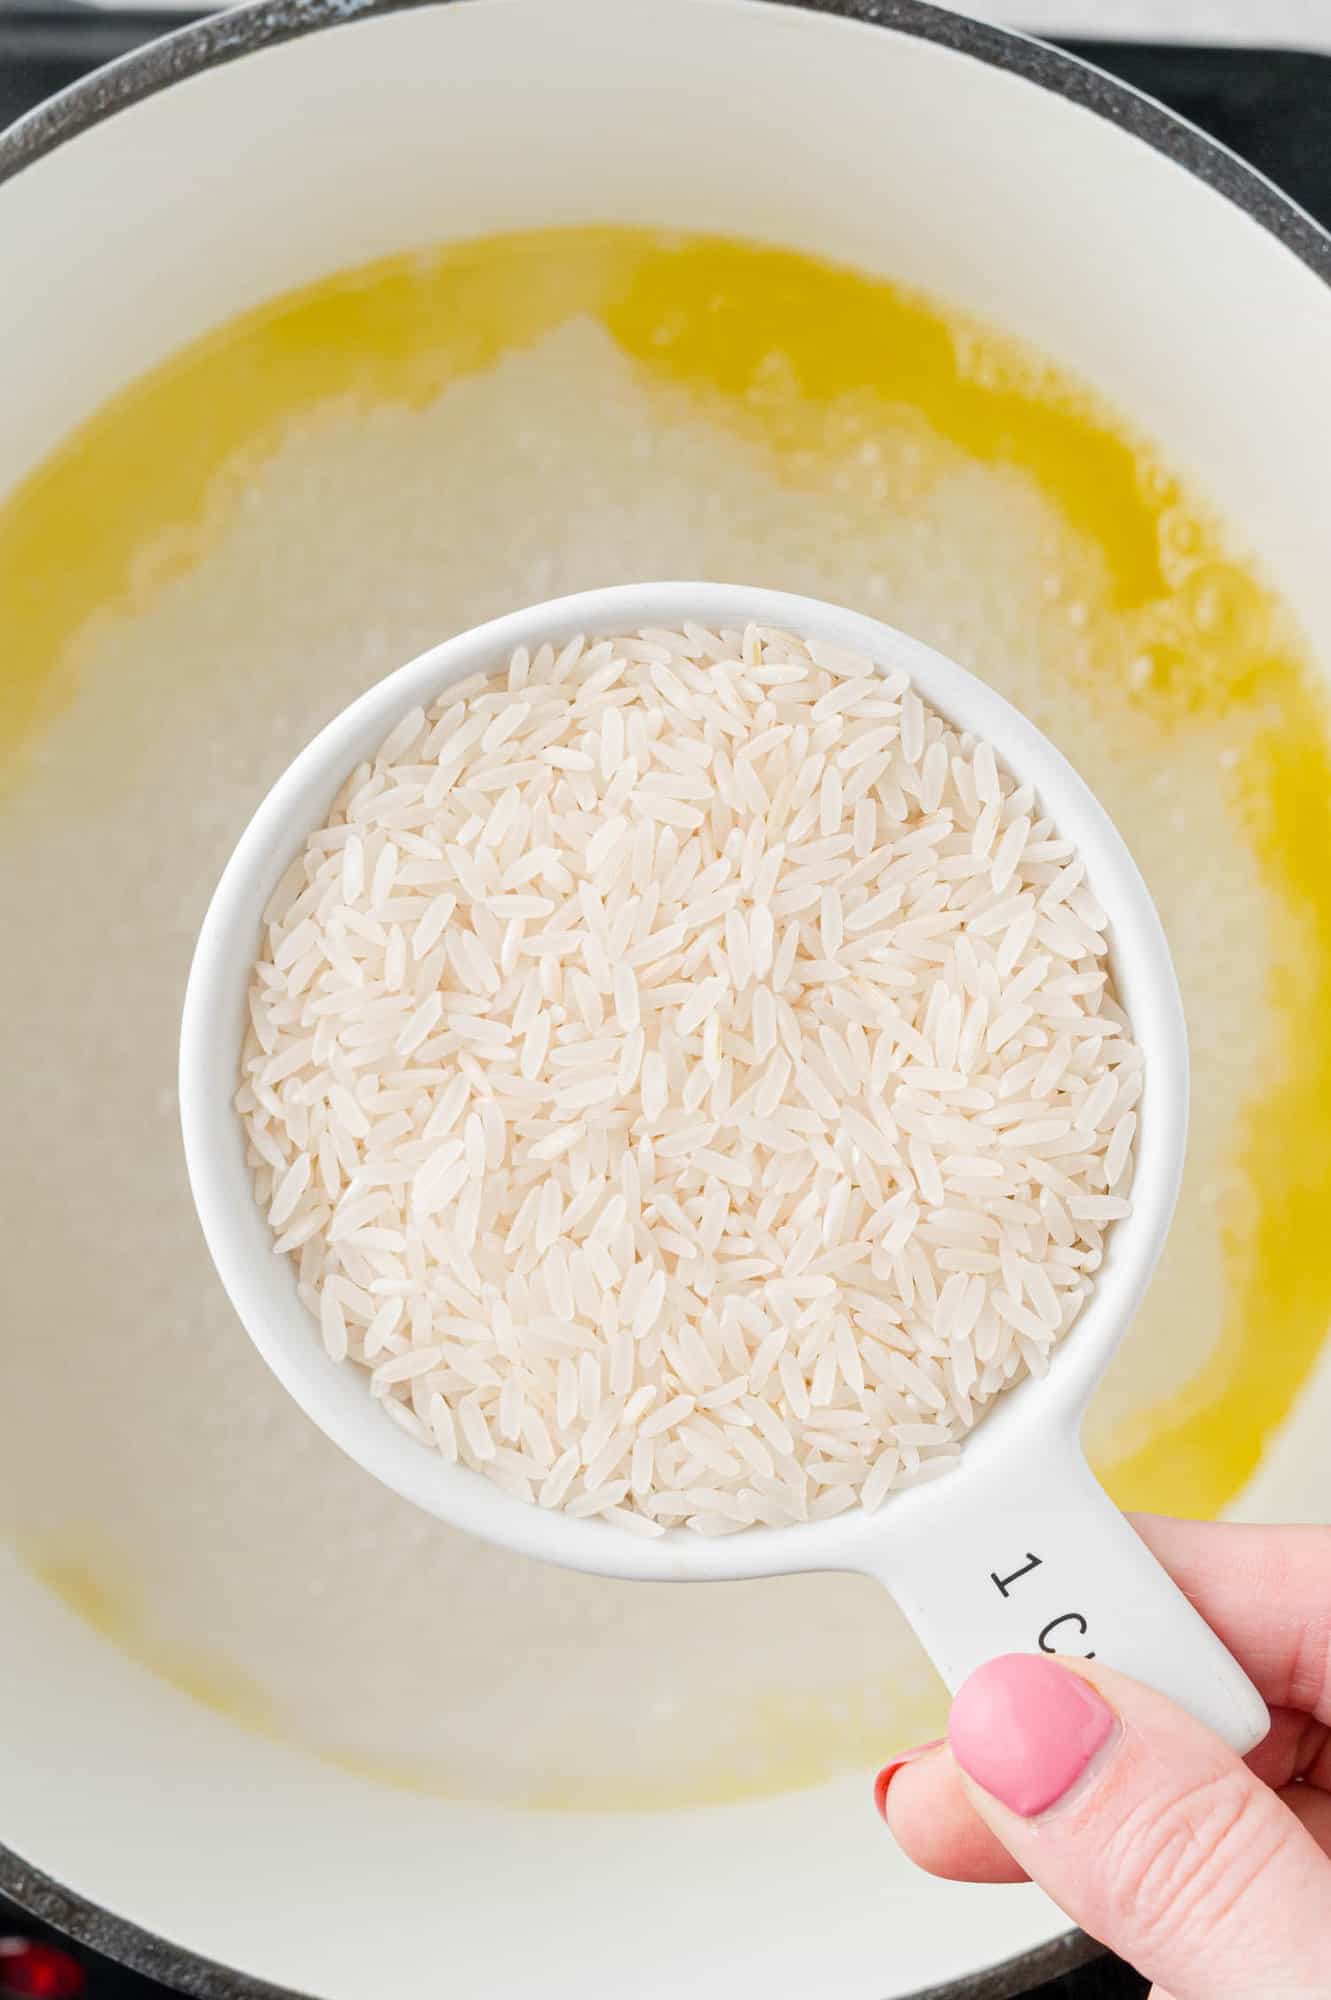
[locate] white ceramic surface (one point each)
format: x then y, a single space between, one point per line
1268 23
906 157
1294 23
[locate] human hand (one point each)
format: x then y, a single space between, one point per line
1209 1874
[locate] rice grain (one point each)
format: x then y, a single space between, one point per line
686 1072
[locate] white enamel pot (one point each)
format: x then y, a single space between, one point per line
263 149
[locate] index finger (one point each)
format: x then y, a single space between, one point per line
1266 1592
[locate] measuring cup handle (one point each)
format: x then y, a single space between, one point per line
1028 1554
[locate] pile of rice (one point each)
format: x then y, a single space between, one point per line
686 1074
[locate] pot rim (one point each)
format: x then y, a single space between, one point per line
246 29
221 38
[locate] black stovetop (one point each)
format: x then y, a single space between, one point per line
1272 106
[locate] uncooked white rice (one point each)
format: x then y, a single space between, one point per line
685 1072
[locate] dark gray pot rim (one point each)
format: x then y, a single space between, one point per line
221 39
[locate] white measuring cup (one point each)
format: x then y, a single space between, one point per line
1018 1548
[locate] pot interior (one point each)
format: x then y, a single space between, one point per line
493 302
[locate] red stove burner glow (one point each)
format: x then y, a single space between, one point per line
32 1971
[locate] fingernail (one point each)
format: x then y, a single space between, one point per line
889 1771
1026 1729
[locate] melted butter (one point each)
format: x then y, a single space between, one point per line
1201 1445
112 1615
797 354
794 1729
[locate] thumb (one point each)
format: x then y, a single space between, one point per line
1146 1829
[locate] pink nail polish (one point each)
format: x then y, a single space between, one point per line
889 1771
1026 1728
